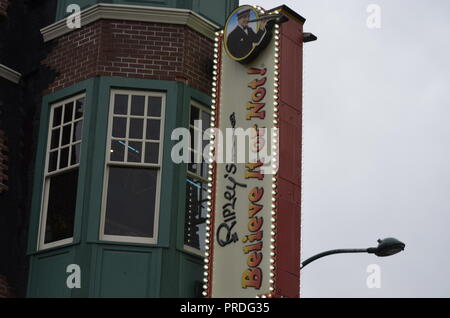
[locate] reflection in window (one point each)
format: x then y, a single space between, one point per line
130 210
196 204
61 175
196 184
61 206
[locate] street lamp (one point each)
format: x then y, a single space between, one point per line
386 247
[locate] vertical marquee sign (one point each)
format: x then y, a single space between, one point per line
244 218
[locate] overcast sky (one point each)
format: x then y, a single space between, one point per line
376 145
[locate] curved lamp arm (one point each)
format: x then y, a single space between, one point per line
386 247
339 251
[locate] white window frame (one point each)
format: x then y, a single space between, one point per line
47 175
109 163
197 177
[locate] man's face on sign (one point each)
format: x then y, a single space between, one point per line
243 20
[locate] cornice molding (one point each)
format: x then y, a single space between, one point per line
134 13
9 74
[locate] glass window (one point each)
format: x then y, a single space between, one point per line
196 182
61 174
3 162
131 193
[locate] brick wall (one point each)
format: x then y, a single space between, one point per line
3 163
5 289
134 50
3 7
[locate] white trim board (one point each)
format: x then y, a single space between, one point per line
134 13
9 74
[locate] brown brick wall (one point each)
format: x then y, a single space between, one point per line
133 50
3 7
5 289
3 163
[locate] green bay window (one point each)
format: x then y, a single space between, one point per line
130 211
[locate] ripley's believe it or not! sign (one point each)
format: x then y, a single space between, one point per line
241 239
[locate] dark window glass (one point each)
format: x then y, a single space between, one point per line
192 166
136 128
77 130
53 161
118 150
79 108
153 129
206 121
134 151
193 134
195 115
119 127
68 113
61 206
75 156
66 135
64 158
57 116
195 214
55 139
138 105
154 106
130 209
151 153
121 105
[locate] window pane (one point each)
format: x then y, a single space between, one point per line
134 151
136 128
54 143
195 115
79 108
66 135
195 214
68 113
153 129
118 150
130 209
192 166
57 116
192 134
119 127
206 121
138 105
151 153
154 106
121 104
77 131
61 206
53 161
64 158
75 155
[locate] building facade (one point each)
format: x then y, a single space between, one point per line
87 183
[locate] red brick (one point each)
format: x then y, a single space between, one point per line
132 49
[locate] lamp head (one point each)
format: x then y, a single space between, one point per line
387 247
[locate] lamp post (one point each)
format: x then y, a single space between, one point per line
386 247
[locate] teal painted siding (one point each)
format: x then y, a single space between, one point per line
126 273
112 269
48 275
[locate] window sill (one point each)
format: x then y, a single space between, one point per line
52 249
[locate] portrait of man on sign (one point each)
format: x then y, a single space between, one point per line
244 32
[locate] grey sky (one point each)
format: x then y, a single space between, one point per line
376 145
